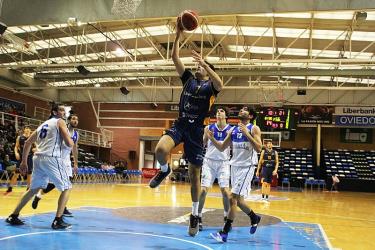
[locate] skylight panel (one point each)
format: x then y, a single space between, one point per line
328 34
343 15
222 30
325 53
256 31
293 51
286 32
363 36
157 30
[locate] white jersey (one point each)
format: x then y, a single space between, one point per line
66 150
212 152
244 154
49 140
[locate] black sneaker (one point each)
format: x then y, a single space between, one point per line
14 221
36 200
200 223
67 213
193 225
254 224
60 224
9 190
159 177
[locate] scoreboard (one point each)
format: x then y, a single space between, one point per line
276 119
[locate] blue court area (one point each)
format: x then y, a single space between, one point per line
99 228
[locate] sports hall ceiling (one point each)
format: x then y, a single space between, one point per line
263 54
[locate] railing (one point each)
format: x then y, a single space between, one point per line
86 137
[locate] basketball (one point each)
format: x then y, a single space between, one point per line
188 20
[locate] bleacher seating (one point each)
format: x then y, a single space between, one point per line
357 164
296 164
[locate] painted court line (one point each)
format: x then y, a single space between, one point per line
112 232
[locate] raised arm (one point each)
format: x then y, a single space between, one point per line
180 67
216 80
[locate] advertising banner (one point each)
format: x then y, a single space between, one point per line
316 115
359 111
355 121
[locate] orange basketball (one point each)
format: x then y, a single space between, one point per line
188 20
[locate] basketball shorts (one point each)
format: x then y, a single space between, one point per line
192 137
49 170
68 165
215 169
267 174
241 178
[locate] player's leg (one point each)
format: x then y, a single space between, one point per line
166 143
58 175
193 148
38 181
40 193
223 179
13 179
208 177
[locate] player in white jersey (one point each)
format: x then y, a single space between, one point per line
66 151
246 142
48 165
216 163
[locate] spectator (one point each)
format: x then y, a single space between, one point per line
335 182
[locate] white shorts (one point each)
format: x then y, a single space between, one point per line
49 170
68 165
241 178
215 169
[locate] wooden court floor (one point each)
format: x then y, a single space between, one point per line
348 218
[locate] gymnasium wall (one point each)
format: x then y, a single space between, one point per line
30 102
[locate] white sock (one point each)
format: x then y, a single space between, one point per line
39 194
225 213
194 210
200 214
164 168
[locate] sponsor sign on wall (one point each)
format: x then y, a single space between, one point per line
356 135
358 111
355 121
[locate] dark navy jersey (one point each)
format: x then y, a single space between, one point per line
196 99
269 158
21 140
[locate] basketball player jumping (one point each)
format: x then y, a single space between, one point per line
246 142
268 165
216 164
198 94
48 165
66 151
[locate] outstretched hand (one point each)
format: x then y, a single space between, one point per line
197 58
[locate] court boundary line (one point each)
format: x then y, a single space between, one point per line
105 231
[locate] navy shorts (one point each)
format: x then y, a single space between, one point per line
29 164
192 137
267 174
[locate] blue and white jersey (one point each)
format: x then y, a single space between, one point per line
49 140
212 152
244 154
66 150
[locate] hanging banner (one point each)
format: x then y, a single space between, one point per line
316 115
